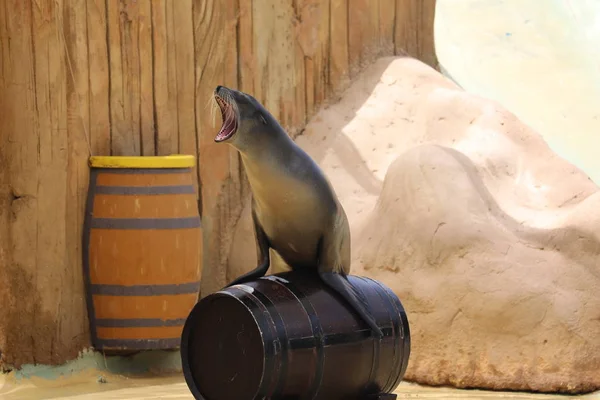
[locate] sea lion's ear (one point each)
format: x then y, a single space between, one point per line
262 119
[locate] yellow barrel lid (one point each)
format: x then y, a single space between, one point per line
171 161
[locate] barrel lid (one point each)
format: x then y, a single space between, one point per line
222 349
171 161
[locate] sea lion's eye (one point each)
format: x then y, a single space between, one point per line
262 119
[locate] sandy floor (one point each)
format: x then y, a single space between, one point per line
86 386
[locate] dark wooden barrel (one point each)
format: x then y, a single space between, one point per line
287 336
142 251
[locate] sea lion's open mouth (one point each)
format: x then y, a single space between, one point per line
228 114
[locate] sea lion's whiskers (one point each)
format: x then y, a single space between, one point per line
212 102
209 101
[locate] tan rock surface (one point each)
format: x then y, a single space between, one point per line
488 237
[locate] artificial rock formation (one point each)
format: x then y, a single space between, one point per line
489 238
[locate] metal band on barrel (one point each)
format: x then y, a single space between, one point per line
137 344
145 290
138 322
145 190
145 223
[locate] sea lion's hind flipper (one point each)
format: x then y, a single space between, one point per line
342 285
262 252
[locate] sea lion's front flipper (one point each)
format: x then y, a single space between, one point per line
262 252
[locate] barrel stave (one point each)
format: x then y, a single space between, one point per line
293 323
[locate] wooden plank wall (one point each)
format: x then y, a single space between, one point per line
133 77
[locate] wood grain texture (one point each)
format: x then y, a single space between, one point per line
98 67
123 24
19 181
339 72
71 311
146 82
43 317
135 77
165 78
414 35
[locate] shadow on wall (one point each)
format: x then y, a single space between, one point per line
334 139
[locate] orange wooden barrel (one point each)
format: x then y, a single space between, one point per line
142 250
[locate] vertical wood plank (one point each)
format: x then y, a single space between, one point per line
229 48
245 38
74 324
99 96
387 20
123 25
184 79
415 30
50 272
314 36
372 43
275 52
261 47
50 200
119 143
5 195
77 73
407 25
19 135
184 61
426 34
322 54
165 78
338 55
312 30
300 95
146 71
357 30
363 33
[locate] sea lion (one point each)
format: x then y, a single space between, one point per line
295 210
